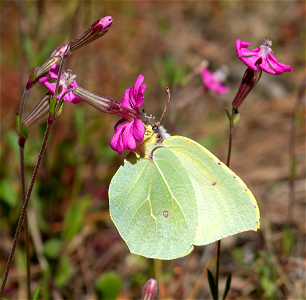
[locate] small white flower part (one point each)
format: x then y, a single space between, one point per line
265 48
67 78
150 117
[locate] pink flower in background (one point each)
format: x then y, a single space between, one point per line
214 81
262 56
127 134
66 82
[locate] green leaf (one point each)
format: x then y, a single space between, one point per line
236 118
63 272
212 285
36 293
12 140
52 106
108 286
73 219
229 115
51 247
28 50
23 131
8 193
79 120
292 167
17 122
48 47
288 240
60 109
227 286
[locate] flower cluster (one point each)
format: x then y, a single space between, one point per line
66 82
261 57
128 132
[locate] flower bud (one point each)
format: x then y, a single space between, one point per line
150 290
40 110
97 29
56 55
249 80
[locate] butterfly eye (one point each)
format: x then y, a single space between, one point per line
155 128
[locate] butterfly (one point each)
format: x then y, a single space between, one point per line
172 194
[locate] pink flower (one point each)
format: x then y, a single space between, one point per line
66 82
262 57
214 81
127 134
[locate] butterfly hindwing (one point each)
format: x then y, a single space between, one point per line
225 205
153 205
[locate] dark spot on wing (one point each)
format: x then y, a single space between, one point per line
165 213
214 183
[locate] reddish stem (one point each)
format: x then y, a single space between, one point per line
25 205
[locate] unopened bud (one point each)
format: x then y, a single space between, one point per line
105 104
40 110
249 80
56 55
150 290
96 30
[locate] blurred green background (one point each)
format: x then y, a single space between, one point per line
76 251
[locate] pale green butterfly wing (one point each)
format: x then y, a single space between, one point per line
225 205
153 205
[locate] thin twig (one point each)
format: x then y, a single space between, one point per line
25 205
158 268
25 225
208 254
231 130
299 98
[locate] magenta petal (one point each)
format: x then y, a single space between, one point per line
43 79
138 130
119 123
140 97
137 84
127 137
76 100
53 72
245 44
249 64
126 99
264 66
223 90
116 142
238 48
50 86
73 85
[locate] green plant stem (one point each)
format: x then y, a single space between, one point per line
25 225
217 269
230 139
59 75
292 137
23 191
25 205
229 151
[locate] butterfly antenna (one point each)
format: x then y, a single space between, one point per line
167 104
